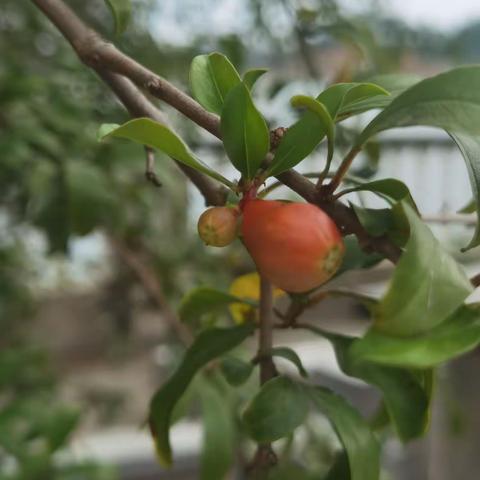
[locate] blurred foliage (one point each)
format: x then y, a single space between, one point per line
56 177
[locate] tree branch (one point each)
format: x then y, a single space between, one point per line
105 58
265 456
95 52
139 106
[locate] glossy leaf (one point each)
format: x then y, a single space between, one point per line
457 335
276 411
208 345
202 300
153 134
355 258
211 78
218 434
235 370
427 286
250 77
450 100
406 401
362 97
321 111
390 189
360 444
470 148
376 221
245 133
396 82
304 135
290 355
121 11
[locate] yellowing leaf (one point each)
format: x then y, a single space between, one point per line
248 287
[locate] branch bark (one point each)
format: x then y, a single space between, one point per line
265 456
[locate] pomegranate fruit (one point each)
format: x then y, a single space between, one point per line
218 226
297 246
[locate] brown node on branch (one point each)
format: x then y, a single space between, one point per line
264 459
276 136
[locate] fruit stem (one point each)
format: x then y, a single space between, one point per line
342 170
265 456
265 340
248 195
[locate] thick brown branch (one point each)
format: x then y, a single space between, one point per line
97 53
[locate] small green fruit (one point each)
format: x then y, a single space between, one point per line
218 226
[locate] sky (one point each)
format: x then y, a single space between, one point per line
230 15
444 14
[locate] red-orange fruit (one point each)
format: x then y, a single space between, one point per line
218 226
297 246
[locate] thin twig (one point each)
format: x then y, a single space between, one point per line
151 283
342 170
475 281
150 174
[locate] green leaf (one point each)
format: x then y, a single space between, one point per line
219 434
355 258
211 78
376 221
304 135
390 189
59 424
245 134
360 444
155 135
251 76
470 207
362 97
396 82
406 400
321 111
276 411
427 286
457 335
470 149
450 100
209 345
340 470
121 11
202 300
235 370
291 356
